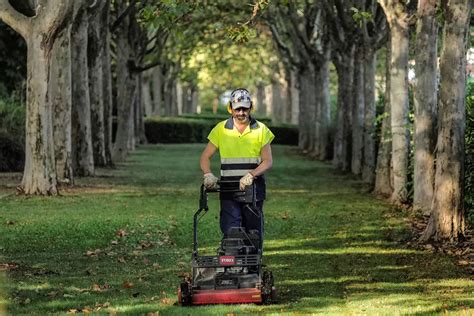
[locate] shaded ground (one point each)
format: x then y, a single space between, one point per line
120 242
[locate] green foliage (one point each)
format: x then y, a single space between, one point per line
469 155
120 242
186 130
12 61
361 17
12 118
12 135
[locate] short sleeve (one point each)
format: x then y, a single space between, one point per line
214 136
267 136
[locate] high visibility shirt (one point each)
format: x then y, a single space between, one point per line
241 153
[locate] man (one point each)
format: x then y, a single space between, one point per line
244 148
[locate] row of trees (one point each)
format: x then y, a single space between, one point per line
157 52
349 34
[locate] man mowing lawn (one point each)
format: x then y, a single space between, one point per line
244 148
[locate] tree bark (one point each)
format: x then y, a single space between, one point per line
126 89
194 99
157 91
106 80
447 214
383 183
425 97
83 160
139 116
399 104
39 175
358 103
61 102
146 95
40 33
325 111
368 164
344 63
307 105
96 89
277 100
260 104
294 97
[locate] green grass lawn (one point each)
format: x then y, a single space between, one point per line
120 242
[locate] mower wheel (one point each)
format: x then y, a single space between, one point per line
268 288
184 294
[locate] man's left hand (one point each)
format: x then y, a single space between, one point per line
245 181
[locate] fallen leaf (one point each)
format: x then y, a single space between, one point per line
96 287
127 284
114 242
121 233
146 261
10 222
166 300
156 266
121 259
72 311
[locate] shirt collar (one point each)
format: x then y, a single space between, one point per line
229 124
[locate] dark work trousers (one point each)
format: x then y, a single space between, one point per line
235 214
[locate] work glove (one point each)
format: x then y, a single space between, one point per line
210 181
245 181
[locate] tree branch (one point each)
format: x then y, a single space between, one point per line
14 19
122 16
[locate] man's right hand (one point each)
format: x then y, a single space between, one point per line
210 180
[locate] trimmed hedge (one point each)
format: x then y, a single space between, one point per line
179 130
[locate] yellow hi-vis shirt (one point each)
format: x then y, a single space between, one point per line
241 153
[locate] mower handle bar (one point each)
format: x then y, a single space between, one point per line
203 207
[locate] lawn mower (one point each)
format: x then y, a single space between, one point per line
235 274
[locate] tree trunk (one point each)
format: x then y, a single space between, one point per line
306 107
342 140
139 117
358 113
179 97
325 115
447 214
83 160
146 95
383 184
260 102
39 175
268 101
294 97
106 81
126 89
61 103
425 96
94 54
368 165
40 33
278 103
194 99
399 107
157 91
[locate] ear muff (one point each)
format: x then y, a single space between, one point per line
229 107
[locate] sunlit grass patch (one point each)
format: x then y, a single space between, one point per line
121 242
